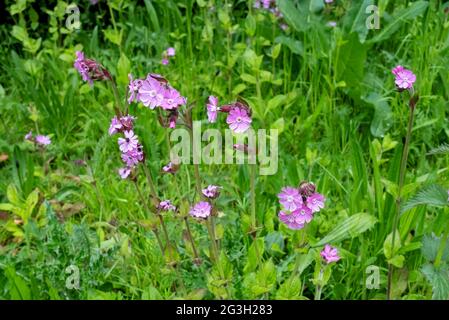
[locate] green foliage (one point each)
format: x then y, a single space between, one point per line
433 195
328 91
350 227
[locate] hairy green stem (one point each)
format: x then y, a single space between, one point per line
192 242
402 171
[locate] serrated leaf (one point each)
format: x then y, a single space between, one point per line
439 279
350 227
443 149
433 195
430 246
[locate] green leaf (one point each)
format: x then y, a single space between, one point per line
433 195
114 36
390 249
278 125
430 246
19 289
250 25
19 33
153 15
123 69
439 279
294 17
238 89
248 78
18 7
383 116
357 17
289 290
351 61
443 149
399 18
397 261
254 255
6 207
350 227
275 102
30 204
12 195
295 46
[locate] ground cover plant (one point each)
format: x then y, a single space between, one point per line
195 149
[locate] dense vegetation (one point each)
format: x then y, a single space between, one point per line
311 69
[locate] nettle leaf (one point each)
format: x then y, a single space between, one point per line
398 18
439 279
430 245
443 149
433 195
350 227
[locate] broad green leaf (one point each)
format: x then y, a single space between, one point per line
350 227
357 17
294 17
433 195
351 61
123 69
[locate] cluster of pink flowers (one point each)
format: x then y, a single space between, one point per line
153 92
40 140
330 254
89 69
203 209
132 150
299 205
270 5
239 114
404 78
170 52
